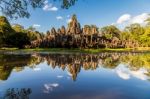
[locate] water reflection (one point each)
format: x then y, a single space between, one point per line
125 65
16 62
50 87
17 93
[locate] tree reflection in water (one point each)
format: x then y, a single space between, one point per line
17 93
73 63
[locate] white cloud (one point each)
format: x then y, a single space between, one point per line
37 69
59 18
69 74
122 72
113 23
50 87
125 73
123 18
127 19
140 18
140 74
55 84
53 9
59 76
68 20
36 25
46 2
49 7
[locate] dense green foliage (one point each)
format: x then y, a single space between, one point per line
16 35
18 40
5 30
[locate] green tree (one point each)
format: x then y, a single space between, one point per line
5 30
18 40
31 28
18 28
110 31
136 30
145 38
33 35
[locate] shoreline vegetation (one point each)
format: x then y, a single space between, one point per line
75 38
140 49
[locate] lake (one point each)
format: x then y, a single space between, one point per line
123 75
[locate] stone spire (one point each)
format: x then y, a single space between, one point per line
53 31
63 30
74 26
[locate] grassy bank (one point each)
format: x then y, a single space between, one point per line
145 49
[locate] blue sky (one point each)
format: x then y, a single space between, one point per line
98 12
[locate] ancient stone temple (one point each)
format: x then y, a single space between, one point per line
74 26
89 30
75 37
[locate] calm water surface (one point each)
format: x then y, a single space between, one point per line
75 76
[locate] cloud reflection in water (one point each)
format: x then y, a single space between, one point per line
125 73
50 87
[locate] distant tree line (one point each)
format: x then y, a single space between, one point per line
74 36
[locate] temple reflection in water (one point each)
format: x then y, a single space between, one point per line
74 63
